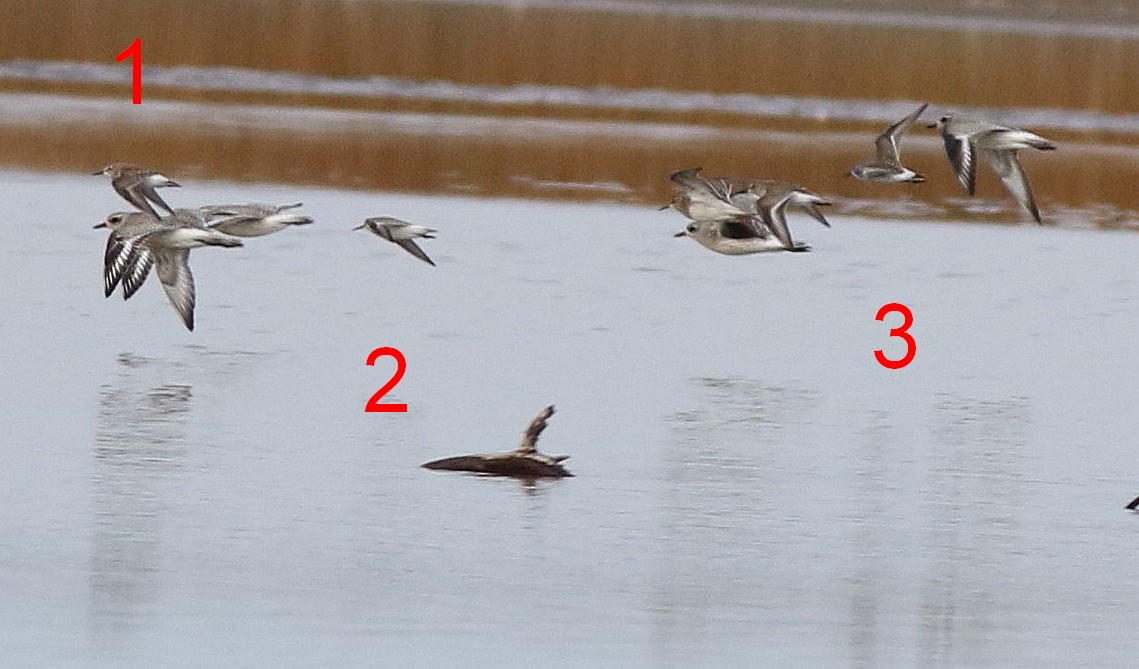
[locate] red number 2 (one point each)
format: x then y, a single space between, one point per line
911 345
134 51
374 403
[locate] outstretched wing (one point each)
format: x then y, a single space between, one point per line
138 267
145 191
776 221
530 438
960 151
1008 168
413 248
173 269
134 197
887 142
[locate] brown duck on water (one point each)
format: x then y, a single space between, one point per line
523 462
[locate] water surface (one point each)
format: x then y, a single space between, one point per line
752 487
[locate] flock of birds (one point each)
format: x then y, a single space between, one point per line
162 238
737 217
729 216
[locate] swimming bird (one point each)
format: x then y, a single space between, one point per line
400 232
253 219
967 136
887 166
703 199
167 243
137 185
525 461
735 238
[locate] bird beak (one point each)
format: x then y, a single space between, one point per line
681 234
95 174
360 227
930 125
101 225
664 207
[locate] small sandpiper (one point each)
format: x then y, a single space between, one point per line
137 185
400 232
887 167
253 219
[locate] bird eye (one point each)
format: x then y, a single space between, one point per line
692 227
116 218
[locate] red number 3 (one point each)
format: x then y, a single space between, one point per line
374 403
911 345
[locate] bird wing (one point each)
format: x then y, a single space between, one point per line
689 178
887 142
115 257
249 210
529 443
145 191
960 152
241 226
774 218
138 268
1008 168
173 269
132 196
813 210
749 229
413 248
707 190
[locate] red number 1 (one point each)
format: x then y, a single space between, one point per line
911 345
134 51
374 403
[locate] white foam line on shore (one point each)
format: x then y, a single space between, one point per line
600 97
39 109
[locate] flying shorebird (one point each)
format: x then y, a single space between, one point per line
887 166
167 242
137 185
253 219
967 136
400 232
734 238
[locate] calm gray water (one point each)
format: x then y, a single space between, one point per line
752 488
